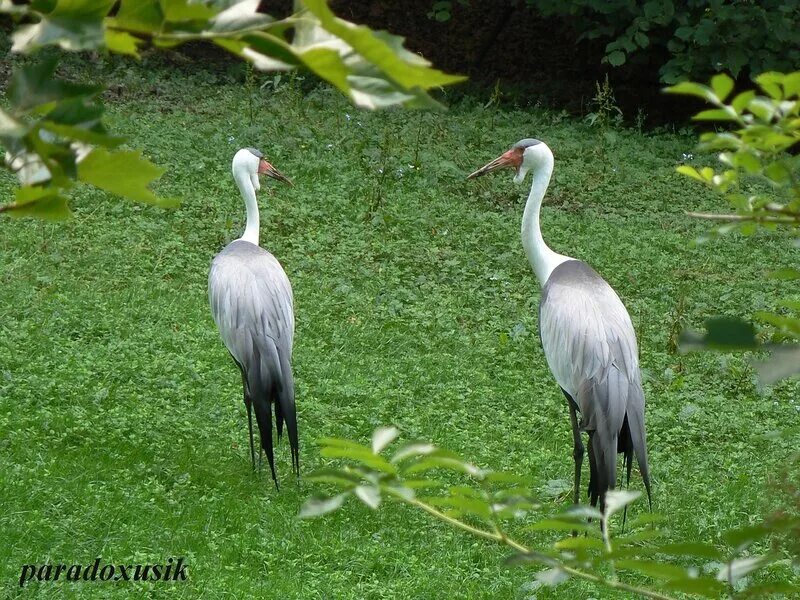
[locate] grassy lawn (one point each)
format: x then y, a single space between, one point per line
123 430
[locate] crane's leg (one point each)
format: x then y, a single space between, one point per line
250 428
577 446
249 404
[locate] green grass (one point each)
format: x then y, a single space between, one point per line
123 431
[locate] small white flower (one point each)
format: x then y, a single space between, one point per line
347 116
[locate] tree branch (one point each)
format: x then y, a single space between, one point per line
787 220
504 539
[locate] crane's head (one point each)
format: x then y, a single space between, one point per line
252 163
526 155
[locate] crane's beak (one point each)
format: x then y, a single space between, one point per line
512 159
266 168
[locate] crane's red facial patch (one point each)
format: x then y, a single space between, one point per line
263 167
512 159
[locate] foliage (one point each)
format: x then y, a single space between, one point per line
52 129
759 178
123 429
700 37
605 111
493 498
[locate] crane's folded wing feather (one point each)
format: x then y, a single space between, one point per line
584 328
252 305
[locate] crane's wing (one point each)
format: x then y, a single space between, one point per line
590 346
252 305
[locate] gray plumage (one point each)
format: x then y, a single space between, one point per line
252 305
590 346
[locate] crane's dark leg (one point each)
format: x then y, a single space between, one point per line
249 404
250 428
577 446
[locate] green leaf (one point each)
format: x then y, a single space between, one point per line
715 114
722 333
740 567
10 127
35 85
524 558
240 16
653 569
688 88
335 477
744 536
365 457
125 173
580 543
763 590
463 505
701 586
741 100
770 82
382 437
583 512
698 549
559 525
637 537
72 24
616 58
316 507
690 172
618 499
381 51
342 443
722 85
747 161
779 173
761 108
443 462
369 495
791 84
40 202
412 450
144 16
121 42
184 10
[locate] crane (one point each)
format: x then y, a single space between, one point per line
252 305
587 337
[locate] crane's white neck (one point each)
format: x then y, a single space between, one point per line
248 190
542 258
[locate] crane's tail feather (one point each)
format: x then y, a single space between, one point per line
261 403
286 412
602 405
638 436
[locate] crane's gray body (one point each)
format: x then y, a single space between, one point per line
252 305
590 346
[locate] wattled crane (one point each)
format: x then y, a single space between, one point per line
587 337
251 302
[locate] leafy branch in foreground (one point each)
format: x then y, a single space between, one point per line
493 502
52 129
760 180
